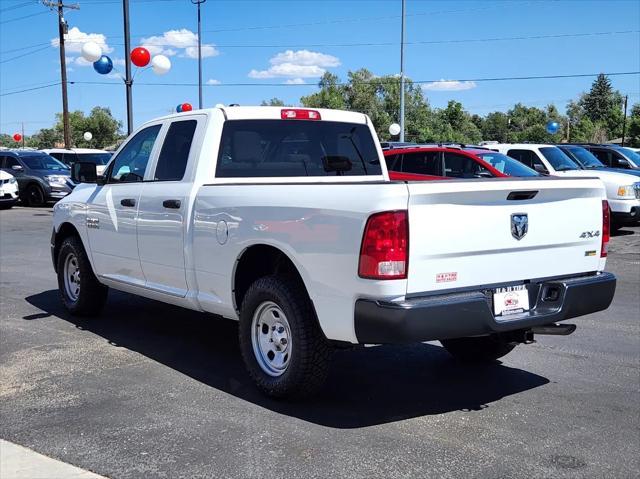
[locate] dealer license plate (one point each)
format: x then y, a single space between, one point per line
510 300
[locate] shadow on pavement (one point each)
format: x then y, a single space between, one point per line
366 386
622 232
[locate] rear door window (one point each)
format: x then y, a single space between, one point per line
528 158
277 148
422 163
461 166
174 155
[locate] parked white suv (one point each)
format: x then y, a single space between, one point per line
8 190
623 190
285 219
99 157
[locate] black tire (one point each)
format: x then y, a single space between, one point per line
92 295
34 196
482 349
310 352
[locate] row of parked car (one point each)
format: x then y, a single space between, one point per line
617 167
36 177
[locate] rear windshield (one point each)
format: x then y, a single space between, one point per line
277 148
43 162
558 159
96 158
507 165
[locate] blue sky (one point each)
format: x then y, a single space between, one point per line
267 42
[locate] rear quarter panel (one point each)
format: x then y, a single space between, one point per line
318 226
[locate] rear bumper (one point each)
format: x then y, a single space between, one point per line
466 314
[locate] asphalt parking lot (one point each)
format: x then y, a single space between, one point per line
149 390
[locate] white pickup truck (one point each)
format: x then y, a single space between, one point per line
285 219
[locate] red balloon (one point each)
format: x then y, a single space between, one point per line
140 57
17 137
187 107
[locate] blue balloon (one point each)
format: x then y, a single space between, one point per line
179 108
103 65
553 127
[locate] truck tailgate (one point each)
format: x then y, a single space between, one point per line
460 232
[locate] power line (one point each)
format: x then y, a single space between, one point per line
419 82
23 17
15 7
31 89
375 44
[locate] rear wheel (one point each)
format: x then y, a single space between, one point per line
34 196
80 291
282 346
478 350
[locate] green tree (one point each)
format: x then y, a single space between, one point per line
603 106
45 138
331 94
273 102
633 126
495 127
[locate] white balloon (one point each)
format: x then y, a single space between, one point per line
91 52
160 64
394 129
87 135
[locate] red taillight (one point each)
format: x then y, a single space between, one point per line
297 114
385 246
606 231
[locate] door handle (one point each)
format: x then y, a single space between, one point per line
175 204
128 202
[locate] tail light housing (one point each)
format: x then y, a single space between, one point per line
299 114
606 228
384 253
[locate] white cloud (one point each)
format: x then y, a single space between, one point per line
449 85
305 57
213 81
297 65
171 42
295 81
81 62
76 38
119 62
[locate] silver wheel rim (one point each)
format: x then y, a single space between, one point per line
71 273
271 338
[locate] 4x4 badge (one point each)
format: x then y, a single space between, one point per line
519 225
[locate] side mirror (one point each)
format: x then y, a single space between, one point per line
17 168
623 163
84 172
540 169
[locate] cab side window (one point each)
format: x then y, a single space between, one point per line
422 163
174 155
603 156
616 160
461 166
130 164
528 158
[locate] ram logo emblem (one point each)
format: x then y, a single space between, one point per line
519 225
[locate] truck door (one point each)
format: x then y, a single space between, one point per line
112 211
163 210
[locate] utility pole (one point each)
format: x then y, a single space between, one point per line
128 80
402 75
624 120
62 30
198 2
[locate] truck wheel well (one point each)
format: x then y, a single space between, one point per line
259 261
66 230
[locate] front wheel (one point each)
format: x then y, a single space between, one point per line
34 196
478 350
282 345
80 291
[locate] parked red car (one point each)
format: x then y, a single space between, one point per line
422 163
